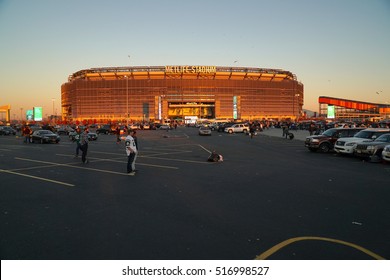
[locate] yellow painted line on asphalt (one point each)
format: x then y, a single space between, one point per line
279 246
37 178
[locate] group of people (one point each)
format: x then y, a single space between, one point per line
131 146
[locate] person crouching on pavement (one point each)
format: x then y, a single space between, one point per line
131 150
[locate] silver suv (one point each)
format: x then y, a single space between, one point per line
347 145
238 127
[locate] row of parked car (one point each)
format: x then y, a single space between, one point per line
7 130
372 144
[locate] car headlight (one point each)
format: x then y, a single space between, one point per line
315 141
370 148
351 144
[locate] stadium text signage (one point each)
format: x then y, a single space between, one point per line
190 69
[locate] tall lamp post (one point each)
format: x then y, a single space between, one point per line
21 114
127 101
294 102
53 106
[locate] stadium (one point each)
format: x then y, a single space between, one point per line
152 93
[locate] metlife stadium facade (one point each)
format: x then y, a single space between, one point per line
151 93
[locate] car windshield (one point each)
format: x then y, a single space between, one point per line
329 132
365 134
383 138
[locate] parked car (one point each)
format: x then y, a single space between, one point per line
325 141
165 126
386 153
372 150
347 145
44 136
221 126
64 130
237 128
7 130
91 136
104 129
204 130
135 126
146 126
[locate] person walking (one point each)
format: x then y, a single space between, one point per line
134 135
77 140
26 133
131 150
252 130
84 145
118 134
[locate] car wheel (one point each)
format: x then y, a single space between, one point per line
230 131
324 148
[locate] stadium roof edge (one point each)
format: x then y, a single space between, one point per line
81 73
320 98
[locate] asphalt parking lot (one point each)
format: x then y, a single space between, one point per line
269 199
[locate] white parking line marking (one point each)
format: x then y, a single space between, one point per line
123 161
37 178
204 148
73 166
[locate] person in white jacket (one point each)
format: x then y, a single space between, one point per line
131 151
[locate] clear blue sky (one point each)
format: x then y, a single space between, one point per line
338 48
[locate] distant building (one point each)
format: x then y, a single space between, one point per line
352 109
176 92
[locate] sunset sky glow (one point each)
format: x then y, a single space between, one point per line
335 48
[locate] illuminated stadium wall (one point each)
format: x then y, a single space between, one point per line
154 93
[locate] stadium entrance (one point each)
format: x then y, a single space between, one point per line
177 110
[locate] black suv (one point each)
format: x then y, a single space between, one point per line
325 141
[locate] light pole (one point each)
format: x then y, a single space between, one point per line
21 114
295 95
53 105
127 101
127 98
